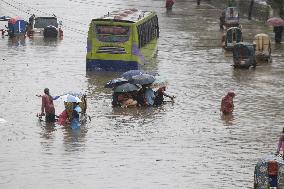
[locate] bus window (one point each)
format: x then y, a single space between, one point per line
148 31
106 33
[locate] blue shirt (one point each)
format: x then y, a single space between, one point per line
75 123
150 96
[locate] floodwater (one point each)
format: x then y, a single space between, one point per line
186 144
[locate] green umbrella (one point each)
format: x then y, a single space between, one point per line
159 82
126 87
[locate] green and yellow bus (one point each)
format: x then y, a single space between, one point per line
122 40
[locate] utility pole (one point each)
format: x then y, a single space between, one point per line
250 9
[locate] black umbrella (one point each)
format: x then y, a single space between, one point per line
126 87
142 79
115 82
131 73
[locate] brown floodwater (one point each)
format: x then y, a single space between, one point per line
185 144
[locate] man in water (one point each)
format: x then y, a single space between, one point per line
47 107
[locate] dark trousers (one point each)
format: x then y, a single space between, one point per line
50 117
278 37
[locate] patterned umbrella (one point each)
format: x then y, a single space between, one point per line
70 98
115 82
143 79
275 21
131 73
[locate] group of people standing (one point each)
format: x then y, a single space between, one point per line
48 110
146 96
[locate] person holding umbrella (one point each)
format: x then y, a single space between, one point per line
278 30
149 95
277 24
145 95
123 95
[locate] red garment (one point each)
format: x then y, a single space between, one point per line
47 104
227 104
169 3
63 117
272 168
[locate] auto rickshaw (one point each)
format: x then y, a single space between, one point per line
269 173
243 55
232 36
232 18
262 44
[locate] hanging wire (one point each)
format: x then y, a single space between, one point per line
83 32
43 12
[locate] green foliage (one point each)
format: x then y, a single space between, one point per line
279 4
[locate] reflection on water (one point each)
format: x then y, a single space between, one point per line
228 119
41 41
17 41
243 75
74 139
47 129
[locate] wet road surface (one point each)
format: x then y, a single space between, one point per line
186 144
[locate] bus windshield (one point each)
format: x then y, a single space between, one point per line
107 33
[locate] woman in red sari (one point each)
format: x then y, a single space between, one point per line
227 104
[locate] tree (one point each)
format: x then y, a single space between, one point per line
280 5
250 9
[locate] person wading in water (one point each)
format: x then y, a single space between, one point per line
227 104
47 107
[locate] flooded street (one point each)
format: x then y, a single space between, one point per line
186 144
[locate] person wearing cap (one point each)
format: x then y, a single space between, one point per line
227 104
47 107
281 143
